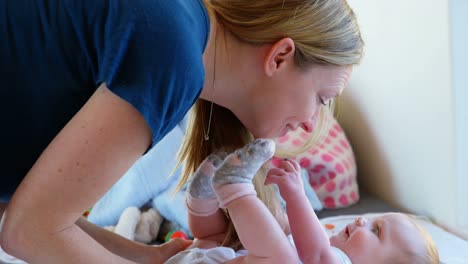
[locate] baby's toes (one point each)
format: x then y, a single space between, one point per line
209 165
221 154
200 185
217 158
262 149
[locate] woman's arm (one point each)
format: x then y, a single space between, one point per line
129 249
85 159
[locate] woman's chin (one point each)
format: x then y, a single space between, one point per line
264 134
284 131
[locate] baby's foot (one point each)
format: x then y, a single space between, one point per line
201 199
242 165
200 185
233 178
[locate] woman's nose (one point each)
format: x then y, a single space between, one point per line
308 126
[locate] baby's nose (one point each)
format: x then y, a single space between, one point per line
361 221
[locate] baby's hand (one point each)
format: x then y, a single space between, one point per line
288 178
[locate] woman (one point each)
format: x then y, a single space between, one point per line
96 83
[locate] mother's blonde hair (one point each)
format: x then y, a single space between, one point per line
325 32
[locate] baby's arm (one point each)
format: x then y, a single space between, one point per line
258 230
311 241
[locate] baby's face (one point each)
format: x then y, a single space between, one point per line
377 239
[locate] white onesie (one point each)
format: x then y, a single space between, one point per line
218 255
214 255
341 255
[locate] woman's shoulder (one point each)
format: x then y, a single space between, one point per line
162 24
160 15
150 54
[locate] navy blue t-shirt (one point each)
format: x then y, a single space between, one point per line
54 54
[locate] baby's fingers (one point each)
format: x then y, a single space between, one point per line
273 179
276 172
275 176
287 165
296 165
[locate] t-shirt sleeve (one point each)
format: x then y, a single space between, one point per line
151 56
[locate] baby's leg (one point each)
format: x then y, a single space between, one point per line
258 230
205 219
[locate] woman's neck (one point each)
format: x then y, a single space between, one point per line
238 69
221 85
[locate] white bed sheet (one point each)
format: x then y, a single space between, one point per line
452 249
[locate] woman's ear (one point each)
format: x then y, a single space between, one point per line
280 55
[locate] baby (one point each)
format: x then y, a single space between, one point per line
227 183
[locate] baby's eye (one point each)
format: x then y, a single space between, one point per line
376 230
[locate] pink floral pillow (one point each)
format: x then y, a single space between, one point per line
330 165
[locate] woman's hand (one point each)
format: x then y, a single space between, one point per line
288 178
161 253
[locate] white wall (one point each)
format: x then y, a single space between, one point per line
399 109
459 19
